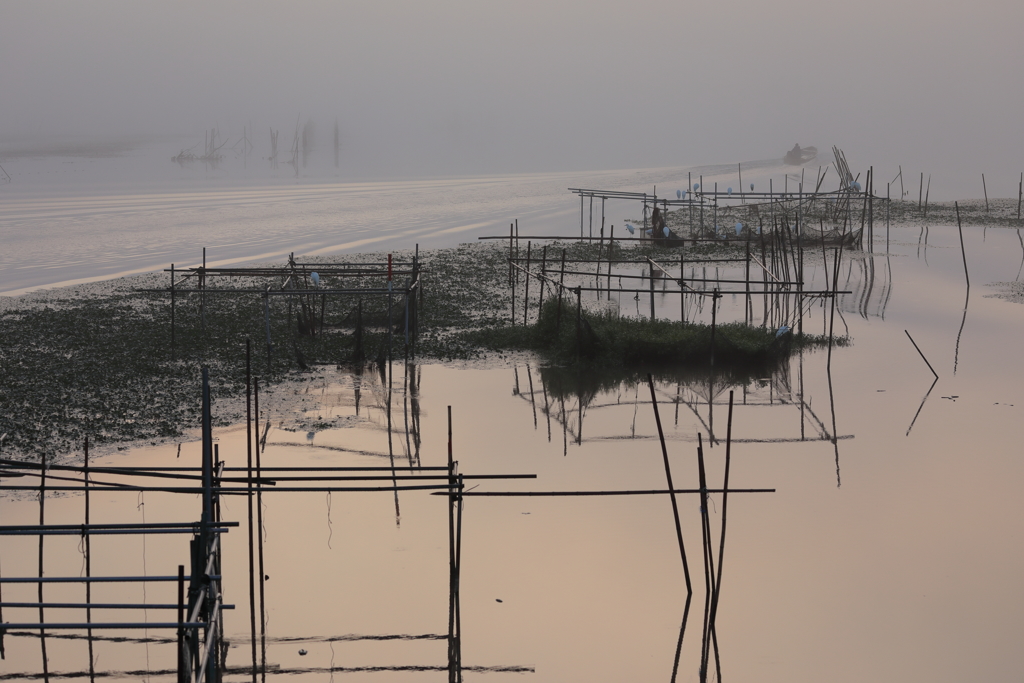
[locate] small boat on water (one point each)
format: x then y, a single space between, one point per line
799 156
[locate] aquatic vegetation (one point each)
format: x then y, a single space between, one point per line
73 363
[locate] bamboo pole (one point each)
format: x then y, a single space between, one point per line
249 502
259 529
985 189
87 543
579 326
510 255
183 676
526 285
451 550
172 307
671 488
561 287
42 522
926 193
963 252
651 272
543 265
611 243
708 569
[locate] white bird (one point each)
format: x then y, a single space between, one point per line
696 186
315 277
739 228
630 228
679 195
730 190
782 330
751 187
665 230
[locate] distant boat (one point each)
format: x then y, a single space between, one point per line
799 156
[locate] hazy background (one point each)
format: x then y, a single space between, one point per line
452 87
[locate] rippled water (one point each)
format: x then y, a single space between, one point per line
890 553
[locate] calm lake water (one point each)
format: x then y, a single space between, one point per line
891 553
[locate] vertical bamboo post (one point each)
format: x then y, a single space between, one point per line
689 191
927 191
172 305
42 521
985 189
515 271
451 555
682 288
266 321
579 324
920 191
651 269
249 503
259 528
645 215
87 542
543 265
715 213
739 168
602 216
888 202
708 576
1020 194
561 288
183 677
701 182
512 283
511 232
871 209
591 215
526 291
611 251
202 296
714 307
581 215
748 310
391 320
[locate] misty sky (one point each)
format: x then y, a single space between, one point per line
534 85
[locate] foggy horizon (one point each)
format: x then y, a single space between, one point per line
460 88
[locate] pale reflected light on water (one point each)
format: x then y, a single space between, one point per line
886 553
